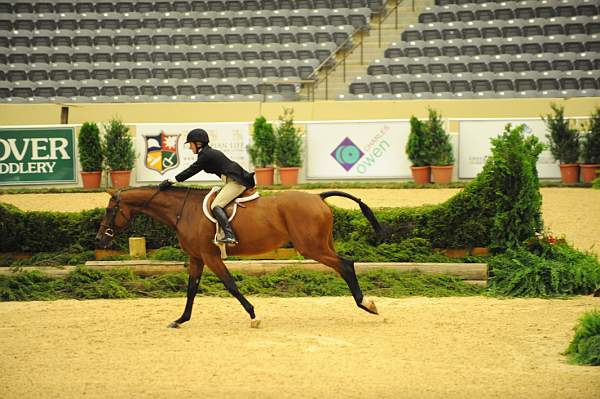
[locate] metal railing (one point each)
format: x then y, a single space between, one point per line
347 48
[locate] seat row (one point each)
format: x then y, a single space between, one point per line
232 52
357 17
480 82
514 45
496 64
161 70
150 87
123 6
126 37
503 29
508 10
472 95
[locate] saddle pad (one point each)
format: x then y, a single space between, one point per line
211 196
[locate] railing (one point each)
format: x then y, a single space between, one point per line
347 48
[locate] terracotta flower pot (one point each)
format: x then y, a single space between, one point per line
569 173
421 174
589 172
264 176
441 174
120 178
288 176
91 179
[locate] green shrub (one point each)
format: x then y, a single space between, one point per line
169 253
288 150
118 146
264 142
418 147
90 149
564 140
545 268
590 151
441 149
585 346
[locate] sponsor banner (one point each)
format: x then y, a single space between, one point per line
37 155
475 145
162 152
350 150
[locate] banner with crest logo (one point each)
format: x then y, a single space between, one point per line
162 152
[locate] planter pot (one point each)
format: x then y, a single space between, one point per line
589 172
91 179
569 173
441 174
120 178
264 176
288 176
421 174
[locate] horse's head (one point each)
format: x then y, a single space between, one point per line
118 216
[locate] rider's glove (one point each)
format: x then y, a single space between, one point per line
165 184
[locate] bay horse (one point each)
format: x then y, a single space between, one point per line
262 225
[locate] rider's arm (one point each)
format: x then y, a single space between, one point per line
194 168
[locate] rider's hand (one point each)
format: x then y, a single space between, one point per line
165 184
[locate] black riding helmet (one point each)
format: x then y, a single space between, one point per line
197 135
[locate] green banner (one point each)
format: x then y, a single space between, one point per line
37 155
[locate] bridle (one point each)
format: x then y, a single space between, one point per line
115 210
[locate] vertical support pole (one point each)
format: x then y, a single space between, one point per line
64 115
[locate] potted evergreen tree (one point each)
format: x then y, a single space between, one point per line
564 144
590 149
120 156
90 155
262 151
419 152
288 151
442 157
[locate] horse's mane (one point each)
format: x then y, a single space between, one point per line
196 190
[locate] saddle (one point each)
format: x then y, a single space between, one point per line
248 195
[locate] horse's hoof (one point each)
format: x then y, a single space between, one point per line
370 306
174 325
255 323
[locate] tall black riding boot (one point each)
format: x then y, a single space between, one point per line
221 216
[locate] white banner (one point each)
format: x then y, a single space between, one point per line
350 150
161 152
475 145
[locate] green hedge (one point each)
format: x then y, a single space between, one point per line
498 209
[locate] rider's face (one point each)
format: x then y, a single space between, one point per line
195 147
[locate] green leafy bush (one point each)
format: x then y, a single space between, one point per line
264 142
90 150
585 346
564 140
441 149
418 147
288 150
118 146
590 151
169 253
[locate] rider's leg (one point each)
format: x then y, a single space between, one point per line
230 191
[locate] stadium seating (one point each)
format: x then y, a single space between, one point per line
476 49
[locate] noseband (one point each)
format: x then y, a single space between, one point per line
112 216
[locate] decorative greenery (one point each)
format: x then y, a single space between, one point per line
441 149
564 140
288 151
590 151
85 283
118 146
418 147
90 150
585 346
264 142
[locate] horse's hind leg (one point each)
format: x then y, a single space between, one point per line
218 267
195 273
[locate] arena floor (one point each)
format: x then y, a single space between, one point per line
306 348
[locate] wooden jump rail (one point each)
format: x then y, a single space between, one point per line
473 273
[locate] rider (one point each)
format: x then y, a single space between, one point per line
236 178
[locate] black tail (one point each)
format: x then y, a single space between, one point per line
363 207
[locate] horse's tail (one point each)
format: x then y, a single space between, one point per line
363 207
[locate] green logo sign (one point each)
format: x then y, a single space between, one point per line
44 155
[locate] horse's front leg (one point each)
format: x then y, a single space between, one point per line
195 274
